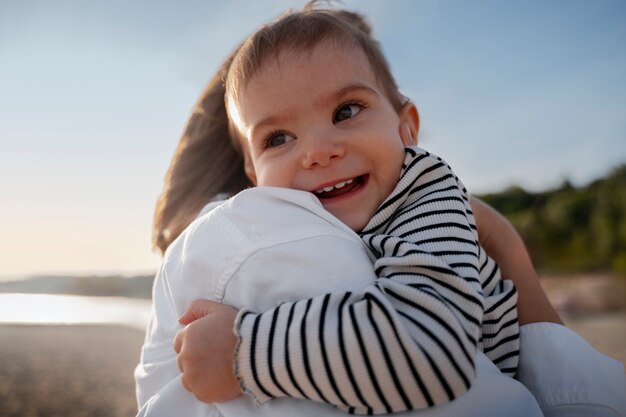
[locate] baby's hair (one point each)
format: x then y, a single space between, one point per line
302 31
208 159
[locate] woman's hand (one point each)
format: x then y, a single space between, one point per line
506 247
205 349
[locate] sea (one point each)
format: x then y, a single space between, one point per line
19 308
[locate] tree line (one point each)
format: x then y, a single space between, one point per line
571 229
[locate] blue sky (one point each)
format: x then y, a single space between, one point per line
94 95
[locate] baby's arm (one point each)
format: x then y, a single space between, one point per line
497 236
505 246
408 341
204 317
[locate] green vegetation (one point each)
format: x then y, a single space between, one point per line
571 229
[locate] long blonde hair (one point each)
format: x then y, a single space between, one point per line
204 164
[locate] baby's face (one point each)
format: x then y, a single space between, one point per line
319 121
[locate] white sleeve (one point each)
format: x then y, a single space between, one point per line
174 400
158 381
567 376
158 385
189 271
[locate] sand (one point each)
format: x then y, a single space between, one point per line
69 371
86 370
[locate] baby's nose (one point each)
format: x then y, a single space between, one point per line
321 151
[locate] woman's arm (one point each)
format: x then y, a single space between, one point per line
505 246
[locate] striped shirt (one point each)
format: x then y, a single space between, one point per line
407 341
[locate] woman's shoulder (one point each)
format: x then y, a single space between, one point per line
269 214
256 218
215 202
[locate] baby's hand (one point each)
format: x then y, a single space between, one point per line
205 349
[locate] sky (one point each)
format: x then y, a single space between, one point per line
94 96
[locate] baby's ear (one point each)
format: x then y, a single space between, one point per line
409 124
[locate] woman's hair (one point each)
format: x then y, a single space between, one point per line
204 164
208 160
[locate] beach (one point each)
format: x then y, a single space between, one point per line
77 370
68 370
86 370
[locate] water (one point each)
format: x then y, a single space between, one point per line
73 309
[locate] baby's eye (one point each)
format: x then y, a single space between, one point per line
347 111
277 139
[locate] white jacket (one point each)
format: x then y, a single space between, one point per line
276 243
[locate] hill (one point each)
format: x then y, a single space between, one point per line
571 229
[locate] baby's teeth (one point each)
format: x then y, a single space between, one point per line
332 187
343 184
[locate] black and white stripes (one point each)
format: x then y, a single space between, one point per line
409 340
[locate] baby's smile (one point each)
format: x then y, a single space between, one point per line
340 189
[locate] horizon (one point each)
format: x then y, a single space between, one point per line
96 95
105 273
